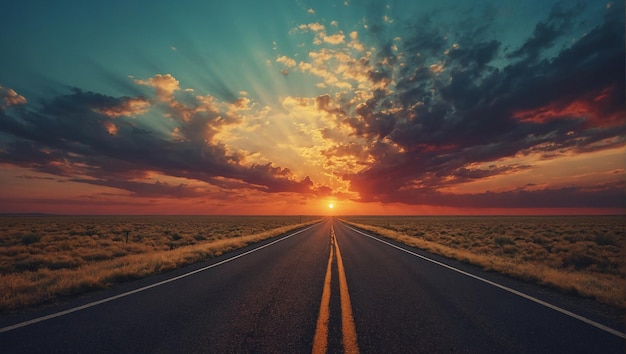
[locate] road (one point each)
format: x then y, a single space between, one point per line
328 288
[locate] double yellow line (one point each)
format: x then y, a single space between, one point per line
320 341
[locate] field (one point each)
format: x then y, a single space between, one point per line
45 258
581 255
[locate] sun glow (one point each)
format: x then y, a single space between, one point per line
331 205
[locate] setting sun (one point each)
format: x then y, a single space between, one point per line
331 205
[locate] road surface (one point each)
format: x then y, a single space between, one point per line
328 288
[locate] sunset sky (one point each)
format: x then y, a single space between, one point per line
273 107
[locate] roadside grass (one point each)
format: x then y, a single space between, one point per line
580 255
45 258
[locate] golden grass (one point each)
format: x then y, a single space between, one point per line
581 255
44 258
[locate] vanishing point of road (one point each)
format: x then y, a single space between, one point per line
327 288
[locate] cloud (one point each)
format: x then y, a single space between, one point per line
288 62
31 177
436 68
320 33
604 196
354 42
109 141
336 38
165 85
448 103
126 106
337 68
110 127
149 190
315 27
10 98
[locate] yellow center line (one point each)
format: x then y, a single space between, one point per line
320 341
347 320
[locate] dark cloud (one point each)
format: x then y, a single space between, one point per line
149 190
605 196
453 104
87 136
30 177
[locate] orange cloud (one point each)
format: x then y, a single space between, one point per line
354 43
338 68
165 86
285 60
10 98
110 127
129 107
315 27
437 68
336 38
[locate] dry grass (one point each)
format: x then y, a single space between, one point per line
581 255
44 258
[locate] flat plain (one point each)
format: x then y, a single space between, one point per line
44 258
584 255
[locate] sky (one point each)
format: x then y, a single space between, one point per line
433 107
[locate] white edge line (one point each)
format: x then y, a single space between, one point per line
99 302
513 291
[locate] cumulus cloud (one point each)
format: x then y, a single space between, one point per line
165 85
338 68
354 42
336 38
288 62
320 33
315 27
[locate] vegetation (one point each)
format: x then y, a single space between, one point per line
581 255
44 258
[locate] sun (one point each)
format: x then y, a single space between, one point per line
331 205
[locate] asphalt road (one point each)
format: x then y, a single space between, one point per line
290 294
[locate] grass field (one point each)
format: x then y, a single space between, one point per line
582 255
44 258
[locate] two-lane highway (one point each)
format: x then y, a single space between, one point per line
329 288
